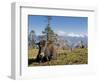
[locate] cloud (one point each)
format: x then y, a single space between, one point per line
61 33
75 35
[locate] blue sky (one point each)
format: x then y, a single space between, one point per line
62 25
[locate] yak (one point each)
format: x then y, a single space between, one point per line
47 51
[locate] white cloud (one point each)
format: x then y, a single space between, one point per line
75 35
61 33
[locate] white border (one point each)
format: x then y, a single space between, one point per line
19 46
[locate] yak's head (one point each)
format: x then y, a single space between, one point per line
42 47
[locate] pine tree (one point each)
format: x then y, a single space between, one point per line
49 33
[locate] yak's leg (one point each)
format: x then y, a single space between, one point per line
37 58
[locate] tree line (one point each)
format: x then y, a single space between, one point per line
48 35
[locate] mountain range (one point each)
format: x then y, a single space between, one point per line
71 41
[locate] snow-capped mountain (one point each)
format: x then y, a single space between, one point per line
72 41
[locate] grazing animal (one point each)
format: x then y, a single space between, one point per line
47 51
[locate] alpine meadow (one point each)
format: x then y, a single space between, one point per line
57 40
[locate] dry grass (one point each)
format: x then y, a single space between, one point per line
32 53
64 57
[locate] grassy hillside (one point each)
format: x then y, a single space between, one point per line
64 57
